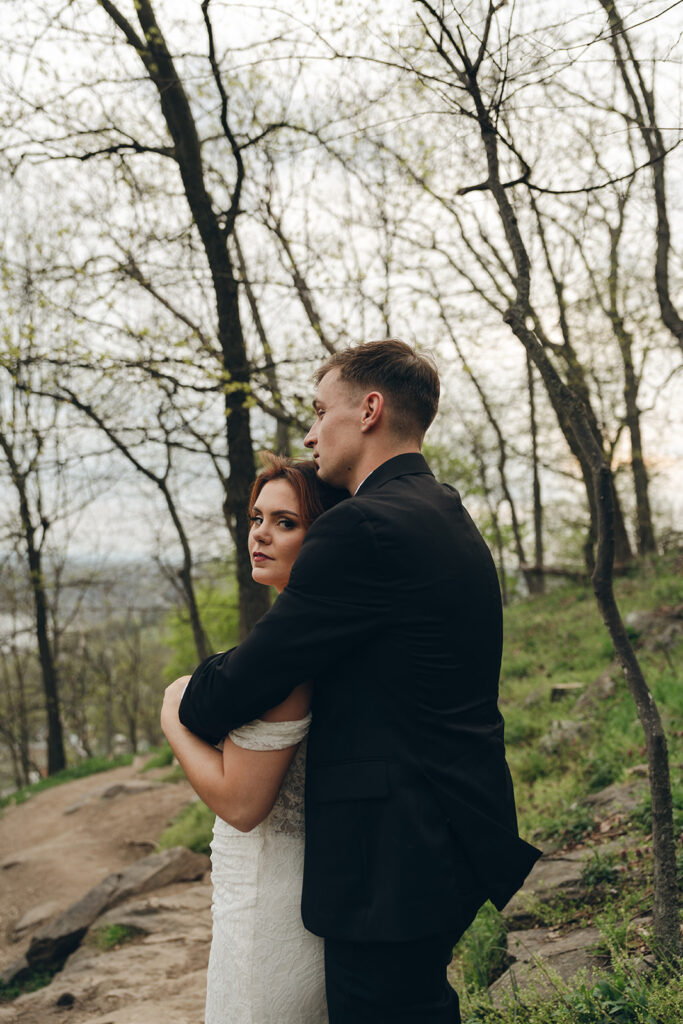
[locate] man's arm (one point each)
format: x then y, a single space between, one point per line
334 598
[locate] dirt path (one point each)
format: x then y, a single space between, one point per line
51 853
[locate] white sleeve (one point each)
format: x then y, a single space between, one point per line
260 735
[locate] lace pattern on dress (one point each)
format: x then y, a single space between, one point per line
287 814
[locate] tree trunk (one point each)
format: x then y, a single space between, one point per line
282 443
495 520
56 760
645 531
536 580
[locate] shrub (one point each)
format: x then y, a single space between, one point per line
192 828
160 759
112 935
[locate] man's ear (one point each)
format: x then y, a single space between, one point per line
372 409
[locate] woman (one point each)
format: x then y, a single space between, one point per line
264 967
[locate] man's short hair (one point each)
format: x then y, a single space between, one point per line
408 380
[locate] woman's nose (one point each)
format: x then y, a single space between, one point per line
261 534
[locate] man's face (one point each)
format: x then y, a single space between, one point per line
336 437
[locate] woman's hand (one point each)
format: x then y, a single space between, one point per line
172 697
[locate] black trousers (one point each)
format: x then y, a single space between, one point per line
392 982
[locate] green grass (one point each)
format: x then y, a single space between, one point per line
79 770
29 980
112 935
192 828
481 953
161 758
631 993
560 638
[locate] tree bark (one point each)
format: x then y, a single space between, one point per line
282 443
537 577
645 530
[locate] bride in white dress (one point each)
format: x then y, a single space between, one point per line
264 967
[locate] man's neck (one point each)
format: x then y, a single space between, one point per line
373 461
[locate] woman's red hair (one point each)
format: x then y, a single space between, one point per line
315 497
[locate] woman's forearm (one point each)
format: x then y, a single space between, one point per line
203 766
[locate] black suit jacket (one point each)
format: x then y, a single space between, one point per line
393 609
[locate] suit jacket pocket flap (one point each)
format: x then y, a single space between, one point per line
355 780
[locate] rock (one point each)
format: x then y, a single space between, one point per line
659 629
561 690
620 796
541 954
163 916
638 621
14 970
161 977
11 862
32 918
562 733
131 787
600 689
555 873
141 846
64 933
128 788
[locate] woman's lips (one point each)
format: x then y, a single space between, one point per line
258 558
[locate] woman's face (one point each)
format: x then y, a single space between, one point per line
276 534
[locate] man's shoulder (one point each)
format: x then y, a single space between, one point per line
344 515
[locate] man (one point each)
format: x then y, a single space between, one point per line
393 609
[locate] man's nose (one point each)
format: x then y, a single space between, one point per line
309 440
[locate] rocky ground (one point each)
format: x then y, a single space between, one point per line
83 851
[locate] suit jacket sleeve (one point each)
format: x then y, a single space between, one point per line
334 599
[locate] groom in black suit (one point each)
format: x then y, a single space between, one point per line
393 609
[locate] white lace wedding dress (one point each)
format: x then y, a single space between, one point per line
264 967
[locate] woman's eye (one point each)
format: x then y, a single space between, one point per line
255 519
289 524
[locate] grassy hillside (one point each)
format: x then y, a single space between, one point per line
559 639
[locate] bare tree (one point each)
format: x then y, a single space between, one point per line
642 115
23 440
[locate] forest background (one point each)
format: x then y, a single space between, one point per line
202 200
198 209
